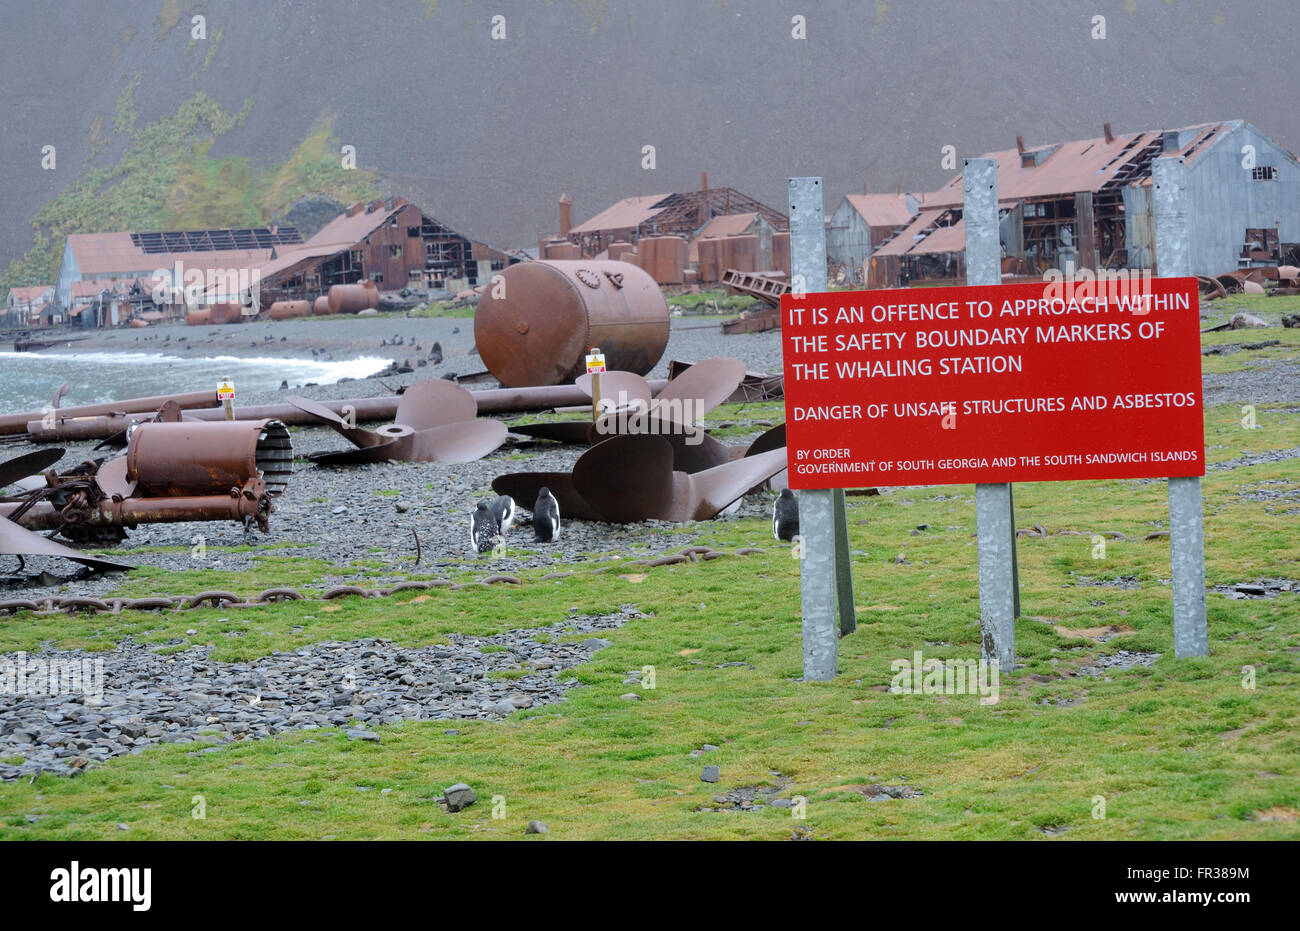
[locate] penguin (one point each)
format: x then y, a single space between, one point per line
483 529
785 516
503 509
435 354
546 517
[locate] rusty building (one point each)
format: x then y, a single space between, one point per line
633 218
392 243
1087 204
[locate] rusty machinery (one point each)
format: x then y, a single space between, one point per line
537 320
172 472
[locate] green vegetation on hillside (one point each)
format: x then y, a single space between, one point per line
167 179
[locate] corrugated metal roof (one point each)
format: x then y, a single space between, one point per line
942 239
628 213
734 224
105 253
907 237
881 209
1080 165
28 293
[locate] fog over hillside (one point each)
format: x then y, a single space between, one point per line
486 134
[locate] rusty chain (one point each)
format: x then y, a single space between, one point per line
61 604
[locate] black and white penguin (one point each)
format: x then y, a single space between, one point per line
483 529
785 516
546 517
503 509
435 354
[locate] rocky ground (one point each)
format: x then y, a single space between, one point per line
147 698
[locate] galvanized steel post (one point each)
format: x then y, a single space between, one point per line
1186 532
999 574
824 573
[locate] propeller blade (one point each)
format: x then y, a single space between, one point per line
708 382
32 463
359 437
19 541
434 402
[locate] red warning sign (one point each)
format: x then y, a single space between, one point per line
1060 380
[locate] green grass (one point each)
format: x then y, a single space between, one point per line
1178 750
712 301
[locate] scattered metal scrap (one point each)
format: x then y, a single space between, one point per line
768 287
631 478
434 422
171 472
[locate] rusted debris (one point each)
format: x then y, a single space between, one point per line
434 422
768 287
16 540
631 478
171 472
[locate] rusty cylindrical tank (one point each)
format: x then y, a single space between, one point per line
228 312
710 258
201 317
553 312
191 458
283 310
321 306
353 298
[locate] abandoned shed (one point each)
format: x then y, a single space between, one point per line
392 243
863 222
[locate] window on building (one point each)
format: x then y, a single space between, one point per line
395 251
1263 173
498 264
377 277
412 231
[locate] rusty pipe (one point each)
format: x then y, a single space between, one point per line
366 410
132 511
13 424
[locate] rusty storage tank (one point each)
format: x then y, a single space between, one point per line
710 258
664 257
740 253
321 306
353 298
617 251
228 312
781 252
283 310
200 317
554 311
563 250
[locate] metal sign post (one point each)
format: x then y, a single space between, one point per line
1186 532
998 571
826 583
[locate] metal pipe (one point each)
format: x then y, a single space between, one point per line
13 424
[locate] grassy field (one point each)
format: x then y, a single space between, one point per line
1178 749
